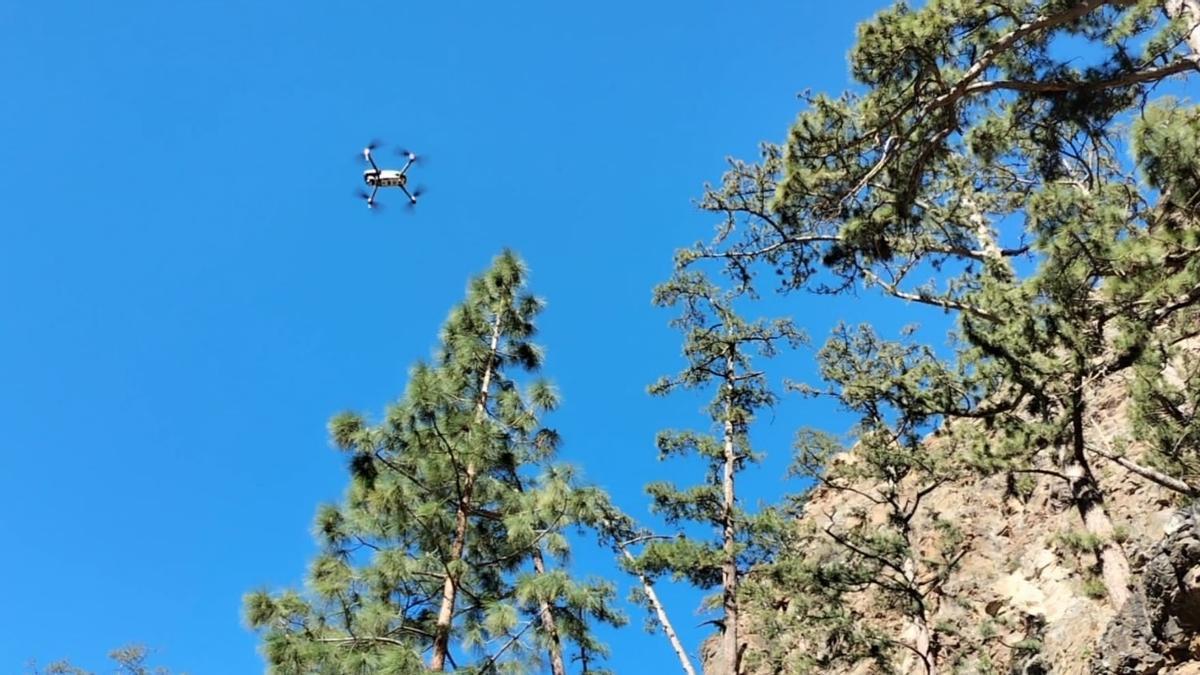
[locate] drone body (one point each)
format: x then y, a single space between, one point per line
387 178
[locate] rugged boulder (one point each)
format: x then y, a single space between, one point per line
1158 630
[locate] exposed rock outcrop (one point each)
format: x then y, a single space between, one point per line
1025 596
1158 630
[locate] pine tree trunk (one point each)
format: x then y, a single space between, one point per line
445 619
923 639
924 645
441 639
545 611
557 666
985 235
923 642
1089 500
729 580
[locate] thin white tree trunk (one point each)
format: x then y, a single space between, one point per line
986 237
661 612
729 580
922 641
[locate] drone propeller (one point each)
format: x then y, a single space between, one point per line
414 195
366 197
374 145
412 156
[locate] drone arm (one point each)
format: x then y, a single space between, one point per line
411 198
367 155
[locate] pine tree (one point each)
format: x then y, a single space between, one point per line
801 608
899 460
129 660
981 172
718 346
452 532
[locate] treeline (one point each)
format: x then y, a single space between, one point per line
128 660
1017 165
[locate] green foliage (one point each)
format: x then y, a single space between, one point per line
456 508
1165 398
797 604
1094 588
1023 485
1166 143
1080 542
1033 646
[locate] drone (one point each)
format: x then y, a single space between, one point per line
386 178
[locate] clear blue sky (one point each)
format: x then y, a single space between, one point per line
190 289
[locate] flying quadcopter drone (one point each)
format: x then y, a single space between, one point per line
377 178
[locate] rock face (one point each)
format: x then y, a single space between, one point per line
1158 629
1023 598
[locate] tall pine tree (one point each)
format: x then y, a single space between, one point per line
719 346
451 538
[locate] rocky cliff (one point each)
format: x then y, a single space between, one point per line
1022 594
